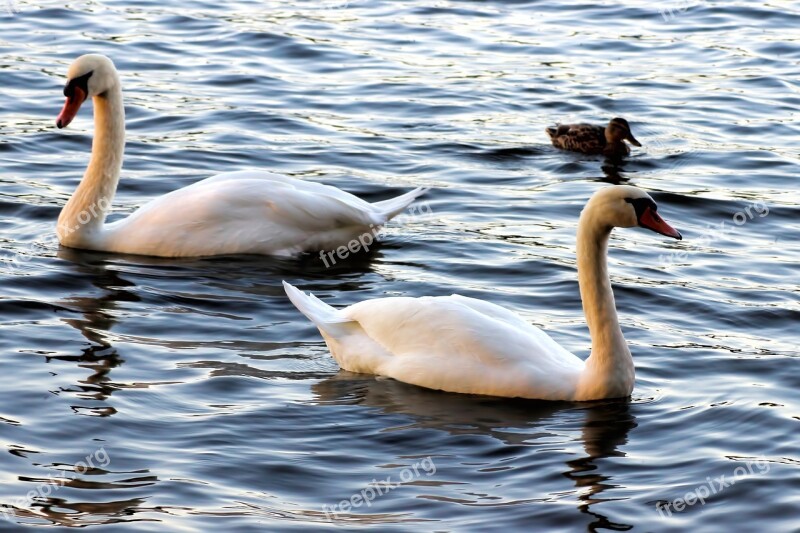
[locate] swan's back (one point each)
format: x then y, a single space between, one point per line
244 212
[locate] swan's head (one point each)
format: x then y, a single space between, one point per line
624 206
619 130
89 76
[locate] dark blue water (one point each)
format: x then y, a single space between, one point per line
203 399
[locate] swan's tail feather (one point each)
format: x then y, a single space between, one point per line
394 206
325 317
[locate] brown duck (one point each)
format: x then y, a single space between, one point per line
591 139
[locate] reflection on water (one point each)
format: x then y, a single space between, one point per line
604 426
97 320
604 431
217 402
59 512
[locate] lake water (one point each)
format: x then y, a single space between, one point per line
203 399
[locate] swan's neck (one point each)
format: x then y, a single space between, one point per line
609 369
82 218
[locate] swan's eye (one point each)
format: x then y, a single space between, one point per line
642 205
82 82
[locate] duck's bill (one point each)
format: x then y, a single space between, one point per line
652 221
633 141
71 108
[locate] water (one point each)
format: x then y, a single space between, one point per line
203 399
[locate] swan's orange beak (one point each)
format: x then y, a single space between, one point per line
651 220
71 107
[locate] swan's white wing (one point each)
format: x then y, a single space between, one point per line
458 344
244 212
310 187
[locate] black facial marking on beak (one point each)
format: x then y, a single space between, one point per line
81 82
647 216
640 205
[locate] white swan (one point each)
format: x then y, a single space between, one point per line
246 212
460 344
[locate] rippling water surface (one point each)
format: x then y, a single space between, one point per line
203 399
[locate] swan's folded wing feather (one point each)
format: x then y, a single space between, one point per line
464 345
295 203
268 181
443 322
282 200
244 215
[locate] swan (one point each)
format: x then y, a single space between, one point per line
459 344
239 212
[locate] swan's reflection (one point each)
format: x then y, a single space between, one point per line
605 428
95 291
97 319
60 512
246 277
604 425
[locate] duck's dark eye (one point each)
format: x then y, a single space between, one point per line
81 81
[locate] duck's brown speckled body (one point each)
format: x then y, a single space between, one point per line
592 139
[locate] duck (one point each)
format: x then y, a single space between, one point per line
236 212
470 346
592 139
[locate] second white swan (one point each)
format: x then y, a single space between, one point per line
460 344
245 212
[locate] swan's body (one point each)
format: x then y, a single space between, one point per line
460 344
593 139
251 212
245 212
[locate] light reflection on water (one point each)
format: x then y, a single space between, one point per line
216 401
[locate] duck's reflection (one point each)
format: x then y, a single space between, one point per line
604 425
613 169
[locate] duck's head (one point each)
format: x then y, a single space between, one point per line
89 76
625 206
619 130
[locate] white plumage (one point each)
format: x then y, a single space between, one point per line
452 343
252 212
460 344
249 212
